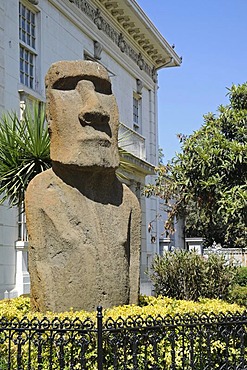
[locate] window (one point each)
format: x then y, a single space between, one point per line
27 39
137 106
137 112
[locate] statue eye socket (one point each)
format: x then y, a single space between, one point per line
102 86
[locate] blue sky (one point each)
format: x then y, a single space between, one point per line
211 36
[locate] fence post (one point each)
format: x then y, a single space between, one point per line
99 338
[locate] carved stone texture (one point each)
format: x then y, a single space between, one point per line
83 223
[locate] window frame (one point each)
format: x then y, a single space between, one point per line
137 111
28 45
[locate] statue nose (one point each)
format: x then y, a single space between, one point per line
94 117
93 112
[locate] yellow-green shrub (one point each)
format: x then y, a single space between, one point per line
20 307
163 306
149 306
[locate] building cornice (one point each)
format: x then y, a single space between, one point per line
132 19
130 29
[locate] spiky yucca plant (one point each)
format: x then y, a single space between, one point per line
24 151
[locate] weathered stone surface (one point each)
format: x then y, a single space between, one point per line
83 224
82 115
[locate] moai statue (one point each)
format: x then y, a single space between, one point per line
83 223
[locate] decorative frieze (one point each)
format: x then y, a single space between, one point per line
116 37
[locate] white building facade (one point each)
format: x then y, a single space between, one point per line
117 34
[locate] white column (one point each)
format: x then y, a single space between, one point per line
22 285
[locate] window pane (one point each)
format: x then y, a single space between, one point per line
22 78
135 110
27 20
32 30
23 10
21 52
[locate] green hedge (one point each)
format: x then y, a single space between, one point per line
238 295
241 276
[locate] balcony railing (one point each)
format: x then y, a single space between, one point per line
131 141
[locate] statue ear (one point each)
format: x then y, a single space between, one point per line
50 103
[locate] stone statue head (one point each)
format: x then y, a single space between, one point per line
82 115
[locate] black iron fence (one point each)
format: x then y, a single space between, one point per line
198 342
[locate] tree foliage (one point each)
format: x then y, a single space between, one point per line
207 180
